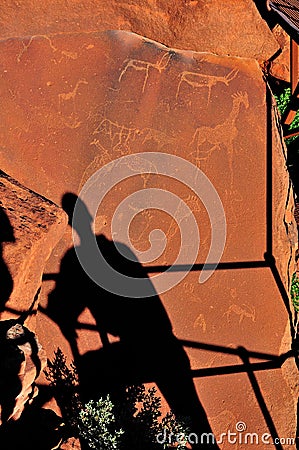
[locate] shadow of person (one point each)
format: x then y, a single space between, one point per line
6 281
147 350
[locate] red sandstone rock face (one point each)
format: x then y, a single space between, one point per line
232 27
30 228
280 67
75 103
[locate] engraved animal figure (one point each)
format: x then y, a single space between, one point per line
200 80
246 311
200 323
119 135
222 134
145 66
158 137
64 97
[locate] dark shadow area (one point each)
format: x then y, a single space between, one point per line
6 281
293 164
147 350
285 12
266 13
37 429
14 367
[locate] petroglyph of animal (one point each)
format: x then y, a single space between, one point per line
222 134
145 66
200 323
27 45
161 139
247 311
119 135
67 106
66 96
201 80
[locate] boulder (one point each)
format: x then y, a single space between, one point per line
81 103
280 66
233 27
22 360
31 226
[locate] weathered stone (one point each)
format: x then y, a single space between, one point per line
79 102
30 228
280 66
22 360
233 27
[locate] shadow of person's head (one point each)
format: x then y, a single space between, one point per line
79 218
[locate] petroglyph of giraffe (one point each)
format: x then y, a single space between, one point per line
222 134
119 135
145 66
200 80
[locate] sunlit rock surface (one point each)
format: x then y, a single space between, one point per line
233 27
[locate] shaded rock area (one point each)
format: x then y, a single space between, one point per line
75 103
22 360
205 25
31 226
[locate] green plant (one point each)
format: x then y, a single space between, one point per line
283 98
130 419
295 291
176 431
97 425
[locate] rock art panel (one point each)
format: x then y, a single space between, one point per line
123 96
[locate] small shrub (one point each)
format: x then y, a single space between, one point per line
130 420
283 99
295 292
176 431
96 425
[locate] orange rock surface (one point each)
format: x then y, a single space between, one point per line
233 27
73 103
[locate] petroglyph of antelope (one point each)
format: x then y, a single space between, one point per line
247 311
119 135
200 80
145 66
222 134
